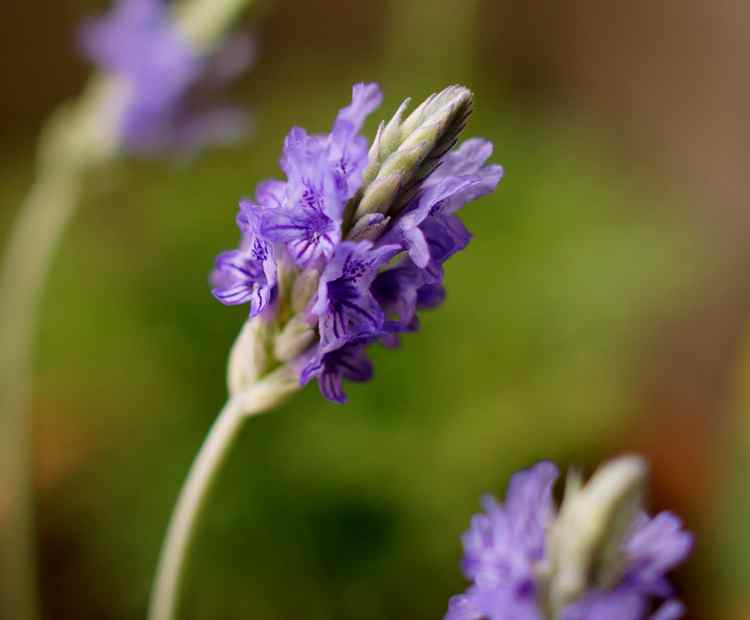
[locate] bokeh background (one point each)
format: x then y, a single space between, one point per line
602 307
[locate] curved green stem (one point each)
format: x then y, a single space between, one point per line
257 398
192 497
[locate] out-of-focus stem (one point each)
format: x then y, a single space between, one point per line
204 22
80 137
32 245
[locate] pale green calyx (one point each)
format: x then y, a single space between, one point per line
248 359
294 339
586 539
405 151
258 376
369 227
305 286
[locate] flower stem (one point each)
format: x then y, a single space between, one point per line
258 398
29 252
189 504
79 137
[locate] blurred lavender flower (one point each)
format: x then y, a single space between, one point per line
346 250
600 557
171 87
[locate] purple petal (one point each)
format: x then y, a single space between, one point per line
239 278
345 307
365 99
463 607
492 604
530 506
671 610
466 159
271 193
617 605
430 296
347 151
657 545
330 368
309 221
397 291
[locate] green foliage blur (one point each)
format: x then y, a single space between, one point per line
326 511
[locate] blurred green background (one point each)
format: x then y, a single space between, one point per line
602 307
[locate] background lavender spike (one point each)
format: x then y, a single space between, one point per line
589 560
150 60
170 84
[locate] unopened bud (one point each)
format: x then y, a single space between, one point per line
587 538
392 132
369 227
379 195
404 149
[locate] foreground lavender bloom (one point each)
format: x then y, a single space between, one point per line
169 83
348 248
600 557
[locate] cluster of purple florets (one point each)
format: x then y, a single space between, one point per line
373 274
506 551
169 87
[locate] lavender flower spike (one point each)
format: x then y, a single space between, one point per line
346 250
597 557
165 79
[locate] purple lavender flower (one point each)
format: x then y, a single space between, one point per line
347 362
345 307
520 565
369 229
170 86
308 221
347 150
249 274
461 178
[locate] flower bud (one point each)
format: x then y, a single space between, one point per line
405 151
392 132
586 540
379 196
369 227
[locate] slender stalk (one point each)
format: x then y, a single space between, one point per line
29 254
79 137
188 508
258 398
